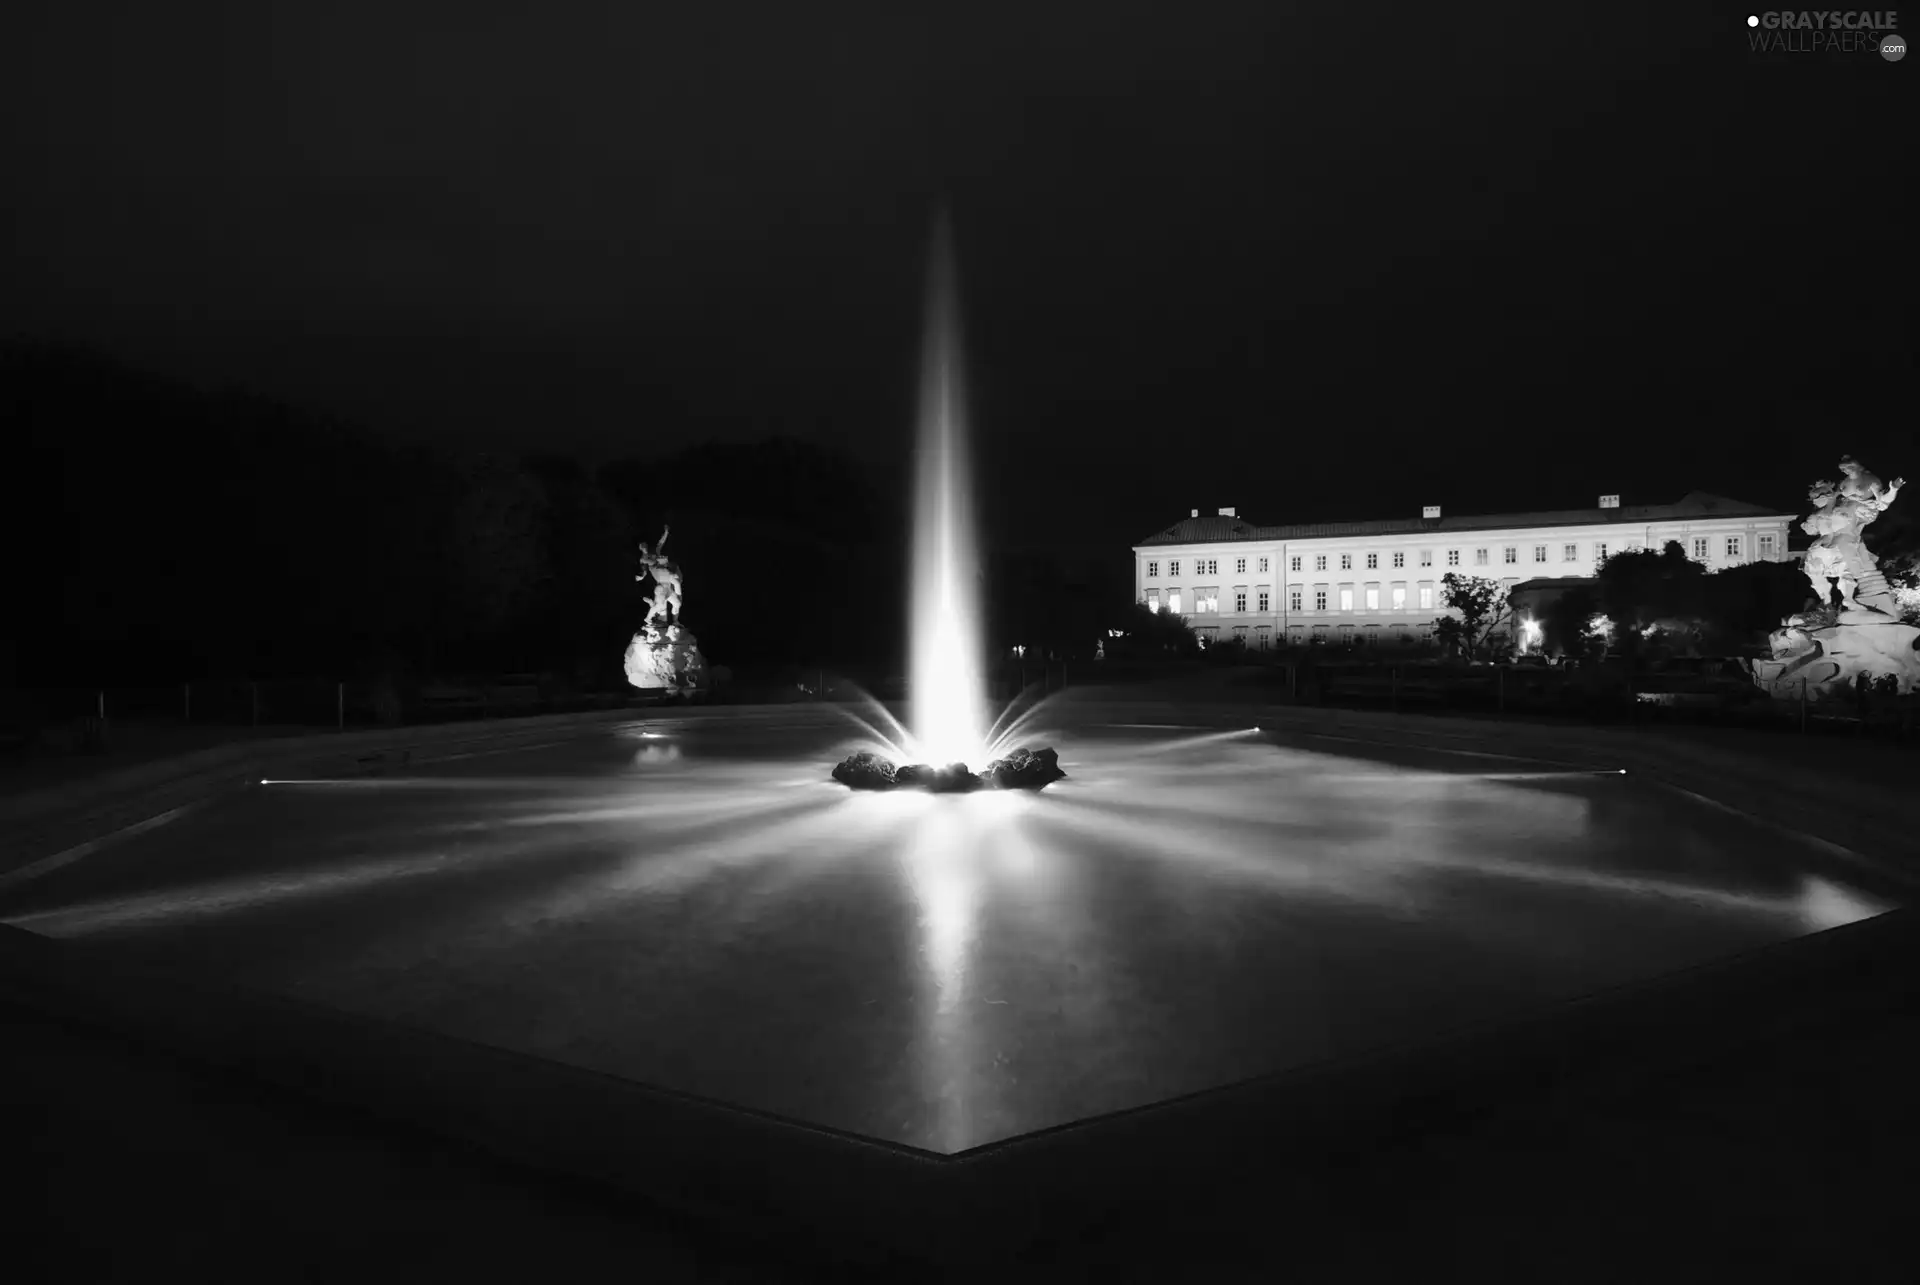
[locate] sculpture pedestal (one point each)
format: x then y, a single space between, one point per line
1824 662
670 662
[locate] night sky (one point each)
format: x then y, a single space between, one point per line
1316 261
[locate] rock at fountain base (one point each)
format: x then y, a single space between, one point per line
954 778
1024 769
668 661
865 771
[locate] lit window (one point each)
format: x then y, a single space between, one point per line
1733 546
1240 566
1210 603
1319 599
1570 553
1173 569
1153 568
1539 553
1262 608
1240 601
1700 547
1373 562
1512 554
1373 597
1766 546
1346 562
1296 562
1426 595
1400 558
1453 558
1399 597
1426 557
1173 601
1346 600
1319 562
1479 557
1153 600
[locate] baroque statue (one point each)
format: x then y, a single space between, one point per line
664 655
1827 651
1840 513
665 574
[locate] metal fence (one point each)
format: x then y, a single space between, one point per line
1598 695
1592 695
316 703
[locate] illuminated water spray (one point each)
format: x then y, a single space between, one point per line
949 747
948 698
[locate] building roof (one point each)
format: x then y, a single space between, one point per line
1694 504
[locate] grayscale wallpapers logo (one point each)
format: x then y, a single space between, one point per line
1827 31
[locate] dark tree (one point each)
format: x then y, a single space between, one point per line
1640 589
1483 609
1153 635
1566 622
189 535
1743 604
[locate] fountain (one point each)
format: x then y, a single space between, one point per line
679 898
948 697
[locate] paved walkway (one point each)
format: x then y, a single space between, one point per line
1785 1162
151 1170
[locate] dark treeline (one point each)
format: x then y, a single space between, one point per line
162 533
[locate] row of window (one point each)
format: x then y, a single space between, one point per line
1510 556
1262 636
1206 600
1207 567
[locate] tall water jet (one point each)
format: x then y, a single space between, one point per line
948 736
948 696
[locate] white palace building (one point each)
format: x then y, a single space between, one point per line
1362 582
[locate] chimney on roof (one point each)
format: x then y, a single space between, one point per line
1609 501
1226 513
1194 514
1430 511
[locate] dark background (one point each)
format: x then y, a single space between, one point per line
1318 262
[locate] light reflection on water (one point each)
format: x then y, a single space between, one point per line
1219 806
1177 832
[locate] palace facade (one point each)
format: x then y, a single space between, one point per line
1364 582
